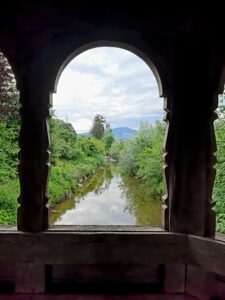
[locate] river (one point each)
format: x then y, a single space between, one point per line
108 198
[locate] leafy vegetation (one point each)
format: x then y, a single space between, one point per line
9 131
74 158
9 104
116 149
142 155
108 138
219 186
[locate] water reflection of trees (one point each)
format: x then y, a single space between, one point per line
140 202
60 209
97 184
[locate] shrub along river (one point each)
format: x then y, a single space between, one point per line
109 198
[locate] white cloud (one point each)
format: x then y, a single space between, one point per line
108 81
82 124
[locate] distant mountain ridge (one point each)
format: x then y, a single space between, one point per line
121 133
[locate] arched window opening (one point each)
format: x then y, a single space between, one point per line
219 185
9 132
106 142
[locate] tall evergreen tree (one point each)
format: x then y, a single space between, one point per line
98 128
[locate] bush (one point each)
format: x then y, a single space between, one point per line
142 155
8 203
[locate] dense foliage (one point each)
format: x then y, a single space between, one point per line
108 138
9 184
142 155
9 103
74 158
9 131
219 186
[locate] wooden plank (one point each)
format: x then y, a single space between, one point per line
4 297
103 228
147 248
219 289
7 272
133 274
90 228
200 283
82 248
96 297
30 278
207 253
174 278
19 297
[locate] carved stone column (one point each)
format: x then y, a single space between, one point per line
34 154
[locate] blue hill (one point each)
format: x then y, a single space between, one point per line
123 133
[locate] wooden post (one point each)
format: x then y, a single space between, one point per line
34 154
193 147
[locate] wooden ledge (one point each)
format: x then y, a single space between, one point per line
105 228
90 247
90 228
119 245
206 253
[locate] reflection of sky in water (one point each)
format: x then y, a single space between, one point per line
106 208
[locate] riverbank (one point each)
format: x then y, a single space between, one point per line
67 176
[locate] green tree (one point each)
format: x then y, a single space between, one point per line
149 160
73 158
63 140
116 149
9 96
219 185
142 155
98 129
127 157
108 137
9 131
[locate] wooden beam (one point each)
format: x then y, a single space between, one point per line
174 279
206 253
108 247
30 278
200 283
82 248
101 228
94 297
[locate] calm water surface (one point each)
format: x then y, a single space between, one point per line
108 198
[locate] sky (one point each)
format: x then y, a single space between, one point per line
109 81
